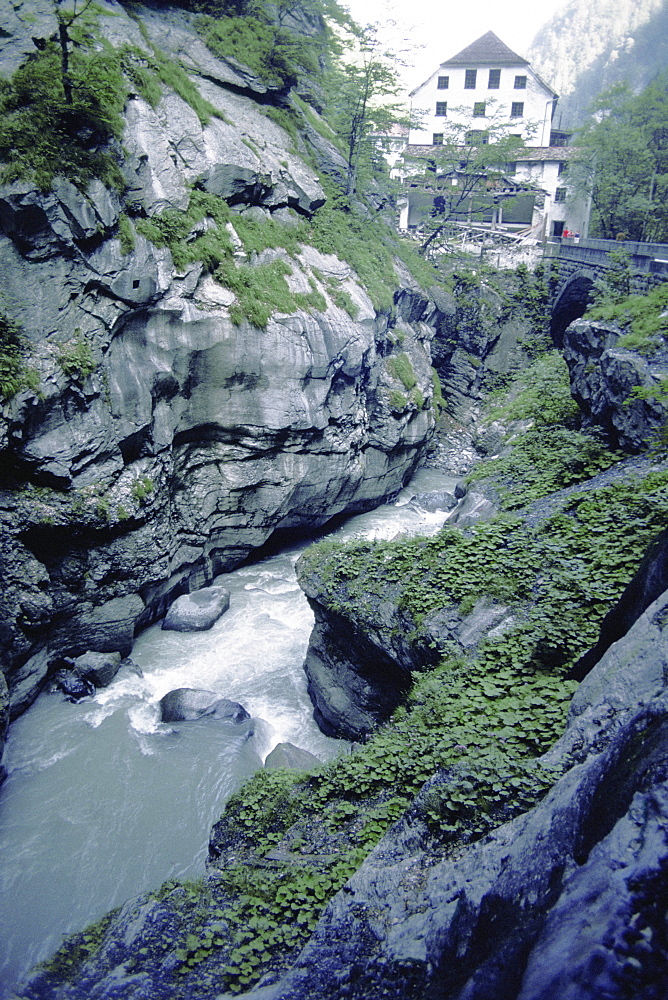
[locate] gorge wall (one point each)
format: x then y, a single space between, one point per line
168 435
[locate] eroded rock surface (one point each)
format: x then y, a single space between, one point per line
603 376
188 436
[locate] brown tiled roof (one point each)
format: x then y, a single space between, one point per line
486 50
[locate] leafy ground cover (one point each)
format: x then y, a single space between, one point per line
548 452
643 317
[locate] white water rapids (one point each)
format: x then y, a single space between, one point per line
103 802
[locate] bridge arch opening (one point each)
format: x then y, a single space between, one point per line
570 304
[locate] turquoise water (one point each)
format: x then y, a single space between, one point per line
103 801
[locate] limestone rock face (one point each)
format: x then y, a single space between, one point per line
474 336
189 435
603 376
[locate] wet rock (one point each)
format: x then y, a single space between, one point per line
106 628
4 719
287 755
27 682
634 668
69 681
99 668
472 508
436 500
189 704
198 611
603 375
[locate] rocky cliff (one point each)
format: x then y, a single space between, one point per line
190 391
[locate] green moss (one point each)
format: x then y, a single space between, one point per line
262 290
400 367
398 402
173 75
42 135
549 453
643 316
541 393
126 234
77 949
142 489
542 460
14 374
342 298
173 229
76 358
273 53
258 236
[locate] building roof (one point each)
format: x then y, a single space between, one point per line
486 50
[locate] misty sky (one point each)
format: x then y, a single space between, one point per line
436 31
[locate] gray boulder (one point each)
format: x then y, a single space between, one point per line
99 668
189 704
472 508
435 500
287 755
198 611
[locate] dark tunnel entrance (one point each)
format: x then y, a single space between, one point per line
570 304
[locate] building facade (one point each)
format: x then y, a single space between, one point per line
484 93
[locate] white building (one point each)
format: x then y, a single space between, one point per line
482 92
484 82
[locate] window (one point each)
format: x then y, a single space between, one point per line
520 83
476 137
494 79
443 82
441 109
517 109
437 139
511 167
562 168
560 194
469 79
479 109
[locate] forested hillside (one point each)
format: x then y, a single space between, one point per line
590 45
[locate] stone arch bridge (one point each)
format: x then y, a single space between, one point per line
576 265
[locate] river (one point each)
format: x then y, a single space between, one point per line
103 802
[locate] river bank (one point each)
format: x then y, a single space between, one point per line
102 801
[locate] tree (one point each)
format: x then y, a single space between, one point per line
624 162
361 105
66 19
466 174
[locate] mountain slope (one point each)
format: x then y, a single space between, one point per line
592 44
